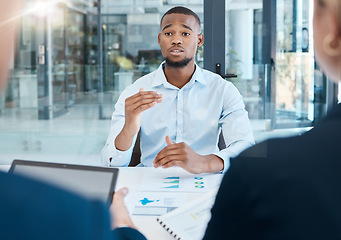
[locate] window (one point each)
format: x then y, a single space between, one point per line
269 46
70 66
62 90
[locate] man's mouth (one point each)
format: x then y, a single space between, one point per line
176 51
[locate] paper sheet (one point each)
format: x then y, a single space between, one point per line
173 183
153 204
189 221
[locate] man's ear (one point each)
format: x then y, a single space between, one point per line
332 41
158 38
200 39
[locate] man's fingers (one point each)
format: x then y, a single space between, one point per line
171 149
144 95
144 98
120 194
169 141
165 157
176 163
118 211
142 101
143 107
162 161
145 103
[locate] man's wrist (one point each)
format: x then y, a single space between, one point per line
124 140
126 131
214 163
123 226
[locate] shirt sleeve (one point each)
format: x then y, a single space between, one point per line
111 156
236 126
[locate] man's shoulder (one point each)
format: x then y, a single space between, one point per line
209 73
286 152
213 78
274 148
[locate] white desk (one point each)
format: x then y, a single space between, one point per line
4 168
132 177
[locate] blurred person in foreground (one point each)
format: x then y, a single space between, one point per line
33 210
291 188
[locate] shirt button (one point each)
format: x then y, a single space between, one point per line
180 111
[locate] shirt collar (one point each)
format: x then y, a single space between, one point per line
160 78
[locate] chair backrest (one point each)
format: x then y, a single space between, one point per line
136 155
221 142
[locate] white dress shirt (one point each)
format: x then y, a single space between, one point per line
194 114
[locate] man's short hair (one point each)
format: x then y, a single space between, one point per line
182 10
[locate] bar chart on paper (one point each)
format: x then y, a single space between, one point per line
171 182
179 184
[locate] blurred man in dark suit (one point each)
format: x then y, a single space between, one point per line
290 188
33 210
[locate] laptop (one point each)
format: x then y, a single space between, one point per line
88 181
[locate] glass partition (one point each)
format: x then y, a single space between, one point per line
57 106
281 89
70 65
294 64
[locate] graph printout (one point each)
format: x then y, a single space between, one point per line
171 183
154 203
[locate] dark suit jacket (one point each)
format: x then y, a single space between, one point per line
284 188
31 210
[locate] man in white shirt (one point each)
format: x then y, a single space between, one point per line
179 109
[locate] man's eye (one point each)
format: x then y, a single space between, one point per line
321 3
185 34
168 34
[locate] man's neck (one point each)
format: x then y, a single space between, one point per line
179 77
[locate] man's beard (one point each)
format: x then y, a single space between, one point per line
180 64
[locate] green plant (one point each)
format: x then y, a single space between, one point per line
233 63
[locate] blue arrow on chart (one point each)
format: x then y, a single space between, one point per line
145 201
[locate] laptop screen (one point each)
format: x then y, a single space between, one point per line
90 182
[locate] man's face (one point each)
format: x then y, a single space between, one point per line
179 39
326 24
320 21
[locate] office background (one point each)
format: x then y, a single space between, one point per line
73 58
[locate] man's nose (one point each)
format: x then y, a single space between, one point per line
176 40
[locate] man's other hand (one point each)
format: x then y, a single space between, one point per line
182 155
118 210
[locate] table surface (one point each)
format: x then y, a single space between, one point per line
132 177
